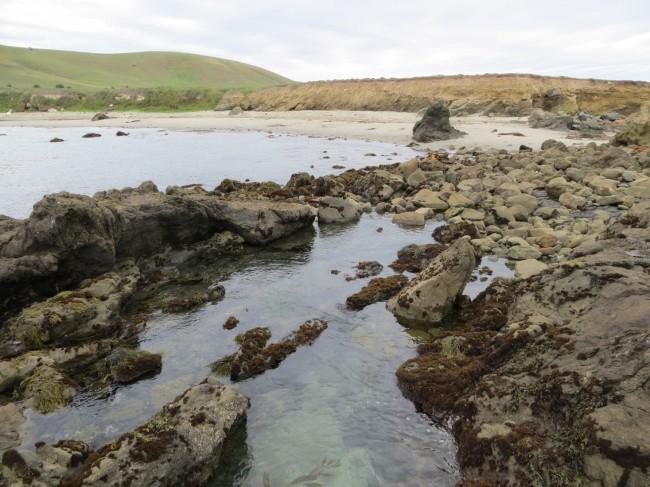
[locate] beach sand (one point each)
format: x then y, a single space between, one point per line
392 127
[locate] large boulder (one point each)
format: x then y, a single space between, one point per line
431 295
435 124
637 129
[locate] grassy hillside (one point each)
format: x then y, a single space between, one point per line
25 68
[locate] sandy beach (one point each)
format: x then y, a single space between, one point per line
392 127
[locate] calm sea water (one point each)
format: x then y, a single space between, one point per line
31 166
332 410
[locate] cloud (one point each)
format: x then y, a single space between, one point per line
305 40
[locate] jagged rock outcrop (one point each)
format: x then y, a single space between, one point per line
431 295
435 124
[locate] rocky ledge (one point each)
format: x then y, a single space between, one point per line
545 380
70 237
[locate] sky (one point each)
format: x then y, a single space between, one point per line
336 39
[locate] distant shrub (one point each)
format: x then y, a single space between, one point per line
37 86
59 85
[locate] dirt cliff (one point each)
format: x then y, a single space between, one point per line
498 94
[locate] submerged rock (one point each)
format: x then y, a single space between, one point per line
255 356
435 125
368 269
431 295
378 289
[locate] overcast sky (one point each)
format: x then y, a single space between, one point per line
326 39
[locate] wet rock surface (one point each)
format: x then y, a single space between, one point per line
180 445
256 355
378 289
535 372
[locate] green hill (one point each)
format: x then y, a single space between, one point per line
23 68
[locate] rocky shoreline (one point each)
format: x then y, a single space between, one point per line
542 379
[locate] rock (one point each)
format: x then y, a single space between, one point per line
548 120
523 252
230 323
182 304
416 178
91 135
554 144
409 218
557 101
368 269
56 139
573 201
459 200
453 231
634 134
431 296
378 289
99 116
236 111
47 465
525 148
255 356
181 445
71 316
338 210
46 389
529 267
415 258
126 365
68 237
435 125
215 293
11 419
472 214
580 330
611 116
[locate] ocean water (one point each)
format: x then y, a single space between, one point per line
31 166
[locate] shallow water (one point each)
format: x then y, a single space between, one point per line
335 402
31 166
331 413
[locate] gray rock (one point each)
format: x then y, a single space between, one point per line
431 296
435 125
338 210
181 445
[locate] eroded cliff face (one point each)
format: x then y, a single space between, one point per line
511 95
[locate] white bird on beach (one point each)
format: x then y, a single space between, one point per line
10 112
